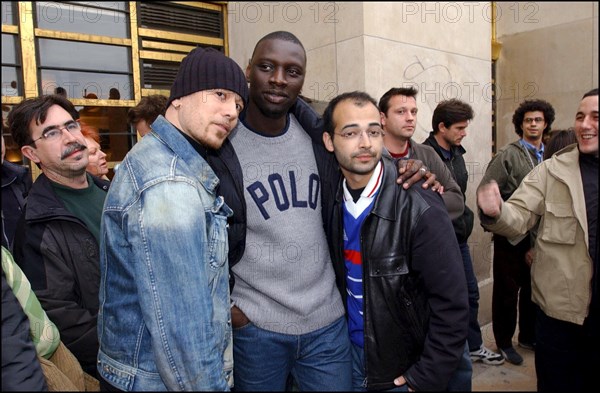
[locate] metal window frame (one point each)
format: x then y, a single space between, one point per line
141 43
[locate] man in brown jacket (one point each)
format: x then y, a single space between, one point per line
561 195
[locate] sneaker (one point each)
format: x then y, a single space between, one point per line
486 356
511 355
527 345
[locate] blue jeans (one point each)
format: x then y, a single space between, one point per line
461 379
358 372
318 361
474 334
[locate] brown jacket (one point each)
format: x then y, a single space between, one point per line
64 373
552 194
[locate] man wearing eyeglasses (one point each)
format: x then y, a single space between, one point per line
399 273
57 239
512 279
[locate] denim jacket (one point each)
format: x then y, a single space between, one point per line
164 320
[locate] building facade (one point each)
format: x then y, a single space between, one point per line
108 55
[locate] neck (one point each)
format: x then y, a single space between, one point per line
355 180
535 142
441 141
75 181
256 119
394 144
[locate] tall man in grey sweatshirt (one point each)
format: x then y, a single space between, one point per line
288 317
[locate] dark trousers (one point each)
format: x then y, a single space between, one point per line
566 358
474 338
512 287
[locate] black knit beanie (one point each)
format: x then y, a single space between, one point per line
205 69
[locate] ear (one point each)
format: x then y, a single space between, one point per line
30 153
442 127
176 103
248 72
328 142
383 118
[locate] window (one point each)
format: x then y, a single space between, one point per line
109 19
82 68
105 61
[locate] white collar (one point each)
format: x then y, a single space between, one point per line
367 195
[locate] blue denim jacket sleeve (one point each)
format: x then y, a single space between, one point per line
176 272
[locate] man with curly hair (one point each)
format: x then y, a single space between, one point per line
512 279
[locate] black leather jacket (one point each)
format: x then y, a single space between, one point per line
415 294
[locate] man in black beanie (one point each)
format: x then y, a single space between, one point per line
164 321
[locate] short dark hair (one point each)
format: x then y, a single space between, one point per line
279 35
35 109
558 140
451 112
533 106
384 101
60 91
359 98
147 109
591 93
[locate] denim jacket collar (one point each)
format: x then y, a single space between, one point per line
177 143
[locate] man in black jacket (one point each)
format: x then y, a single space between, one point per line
450 121
399 273
16 182
57 238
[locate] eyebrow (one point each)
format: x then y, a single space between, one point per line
583 113
56 126
356 125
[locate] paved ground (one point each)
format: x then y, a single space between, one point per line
506 377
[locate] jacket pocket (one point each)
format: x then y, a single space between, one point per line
560 224
388 266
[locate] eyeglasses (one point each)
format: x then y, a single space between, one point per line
55 132
352 133
529 120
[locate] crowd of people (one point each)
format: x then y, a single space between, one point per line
248 243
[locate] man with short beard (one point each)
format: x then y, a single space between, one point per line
165 320
399 272
57 237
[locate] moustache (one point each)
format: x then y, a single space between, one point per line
363 152
72 148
